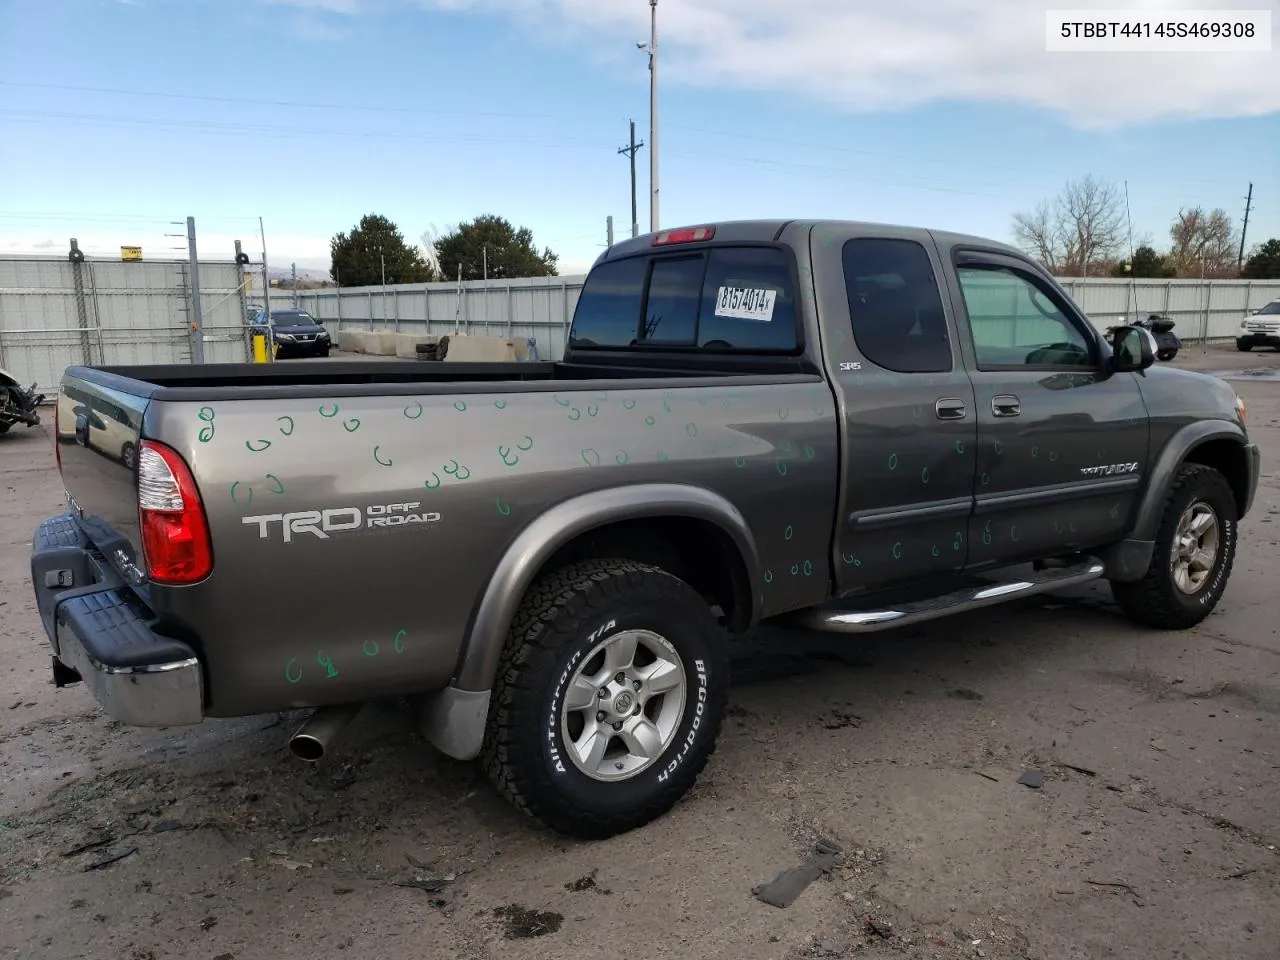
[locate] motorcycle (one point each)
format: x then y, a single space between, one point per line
1161 327
16 404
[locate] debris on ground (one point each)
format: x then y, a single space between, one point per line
110 859
783 889
521 923
840 719
874 926
964 693
1032 778
587 882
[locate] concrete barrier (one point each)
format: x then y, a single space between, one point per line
468 349
348 342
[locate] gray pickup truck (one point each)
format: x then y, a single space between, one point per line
842 426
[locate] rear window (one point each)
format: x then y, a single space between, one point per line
724 299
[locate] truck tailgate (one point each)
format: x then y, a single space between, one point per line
97 431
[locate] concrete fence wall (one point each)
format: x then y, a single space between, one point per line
542 308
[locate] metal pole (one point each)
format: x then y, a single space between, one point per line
609 228
266 282
197 317
294 268
653 115
1248 202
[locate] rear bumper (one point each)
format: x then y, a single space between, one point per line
103 635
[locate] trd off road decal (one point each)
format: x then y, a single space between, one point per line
322 523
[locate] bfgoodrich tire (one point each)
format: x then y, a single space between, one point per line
1194 552
608 699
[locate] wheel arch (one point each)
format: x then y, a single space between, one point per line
1219 444
643 522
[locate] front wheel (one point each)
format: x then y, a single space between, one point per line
1244 346
1195 549
608 699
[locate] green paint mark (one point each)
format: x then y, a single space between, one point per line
924 475
500 404
352 425
958 541
850 560
370 648
205 434
575 414
206 414
783 413
398 643
262 445
378 458
1114 511
276 486
460 406
326 661
561 400
893 461
917 412
330 414
629 404
621 458
503 509
960 446
508 458
739 462
456 470
667 406
781 466
935 552
808 569
691 429
1053 456
649 421
785 446
248 499
809 452
984 479
293 671
726 403
1013 533
592 410
416 409
795 569
289 421
768 576
526 444
999 448
897 550
788 533
591 457
434 482
1035 452
602 396
662 457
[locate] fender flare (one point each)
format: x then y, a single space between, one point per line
1166 465
537 542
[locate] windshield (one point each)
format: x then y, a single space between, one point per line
1271 309
291 318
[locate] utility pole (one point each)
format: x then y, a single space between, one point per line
294 268
1248 203
630 151
608 225
266 281
197 316
653 115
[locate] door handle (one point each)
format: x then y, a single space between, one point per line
1005 406
949 409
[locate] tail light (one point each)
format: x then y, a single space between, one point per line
175 531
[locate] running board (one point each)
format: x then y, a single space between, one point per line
834 620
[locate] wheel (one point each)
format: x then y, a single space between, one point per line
322 352
1195 549
1167 355
4 427
128 455
609 698
1244 346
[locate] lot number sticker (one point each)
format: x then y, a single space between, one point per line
745 303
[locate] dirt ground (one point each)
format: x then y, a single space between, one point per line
1153 835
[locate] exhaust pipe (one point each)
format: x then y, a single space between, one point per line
311 741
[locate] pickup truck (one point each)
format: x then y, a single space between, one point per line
838 426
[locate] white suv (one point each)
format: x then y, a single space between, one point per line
1261 328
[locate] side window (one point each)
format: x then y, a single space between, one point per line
671 309
895 306
747 301
1015 322
608 310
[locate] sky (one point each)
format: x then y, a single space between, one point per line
120 118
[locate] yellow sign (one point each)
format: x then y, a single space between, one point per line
130 253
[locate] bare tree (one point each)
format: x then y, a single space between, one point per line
1077 232
1204 244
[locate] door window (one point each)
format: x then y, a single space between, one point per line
1015 322
895 306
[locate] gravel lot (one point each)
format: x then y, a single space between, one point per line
1154 834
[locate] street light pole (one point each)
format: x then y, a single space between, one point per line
653 115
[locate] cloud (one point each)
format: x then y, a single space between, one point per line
870 55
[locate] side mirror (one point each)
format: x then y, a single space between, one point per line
1133 349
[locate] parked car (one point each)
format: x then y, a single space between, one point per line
840 426
1261 328
293 333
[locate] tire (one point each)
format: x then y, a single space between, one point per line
1244 346
1166 355
4 427
322 353
565 620
1157 600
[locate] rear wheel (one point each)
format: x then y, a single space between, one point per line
609 698
1244 346
1194 552
1167 355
